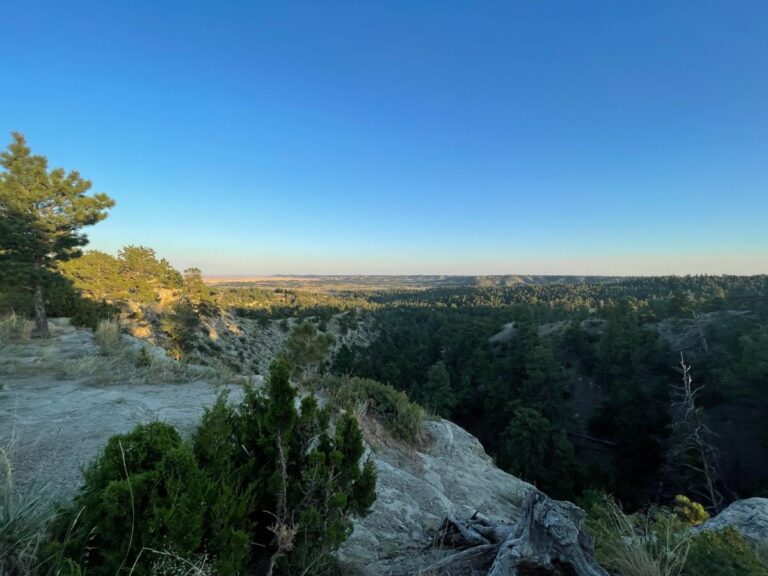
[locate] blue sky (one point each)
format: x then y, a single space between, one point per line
407 136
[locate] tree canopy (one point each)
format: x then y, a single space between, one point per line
42 212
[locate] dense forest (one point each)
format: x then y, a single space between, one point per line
581 379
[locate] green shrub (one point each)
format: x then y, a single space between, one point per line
722 553
659 543
283 482
264 487
88 313
401 417
144 491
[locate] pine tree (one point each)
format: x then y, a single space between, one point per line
41 214
306 347
182 326
436 394
196 290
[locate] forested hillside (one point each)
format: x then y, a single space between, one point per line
579 382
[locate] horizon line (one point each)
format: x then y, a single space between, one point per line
490 275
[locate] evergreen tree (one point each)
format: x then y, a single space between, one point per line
182 326
537 452
306 347
96 274
195 290
436 393
525 447
343 361
144 274
41 214
285 483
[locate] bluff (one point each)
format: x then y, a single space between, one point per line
442 507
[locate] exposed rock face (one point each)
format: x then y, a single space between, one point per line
684 334
417 490
749 517
243 343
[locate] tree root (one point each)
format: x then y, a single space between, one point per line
547 540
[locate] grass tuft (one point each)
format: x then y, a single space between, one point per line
654 543
107 335
15 327
24 517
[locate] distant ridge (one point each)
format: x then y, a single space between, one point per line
406 281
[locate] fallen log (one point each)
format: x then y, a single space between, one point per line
547 540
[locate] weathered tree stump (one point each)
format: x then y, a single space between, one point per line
547 540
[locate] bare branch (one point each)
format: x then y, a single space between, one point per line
694 437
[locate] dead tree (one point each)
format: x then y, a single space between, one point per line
697 319
693 448
547 540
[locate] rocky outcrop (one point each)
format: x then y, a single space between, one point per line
749 517
417 489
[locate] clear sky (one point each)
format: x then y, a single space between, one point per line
413 136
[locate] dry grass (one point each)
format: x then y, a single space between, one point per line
116 363
378 436
107 335
170 564
6 471
134 366
403 419
24 517
650 544
16 328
